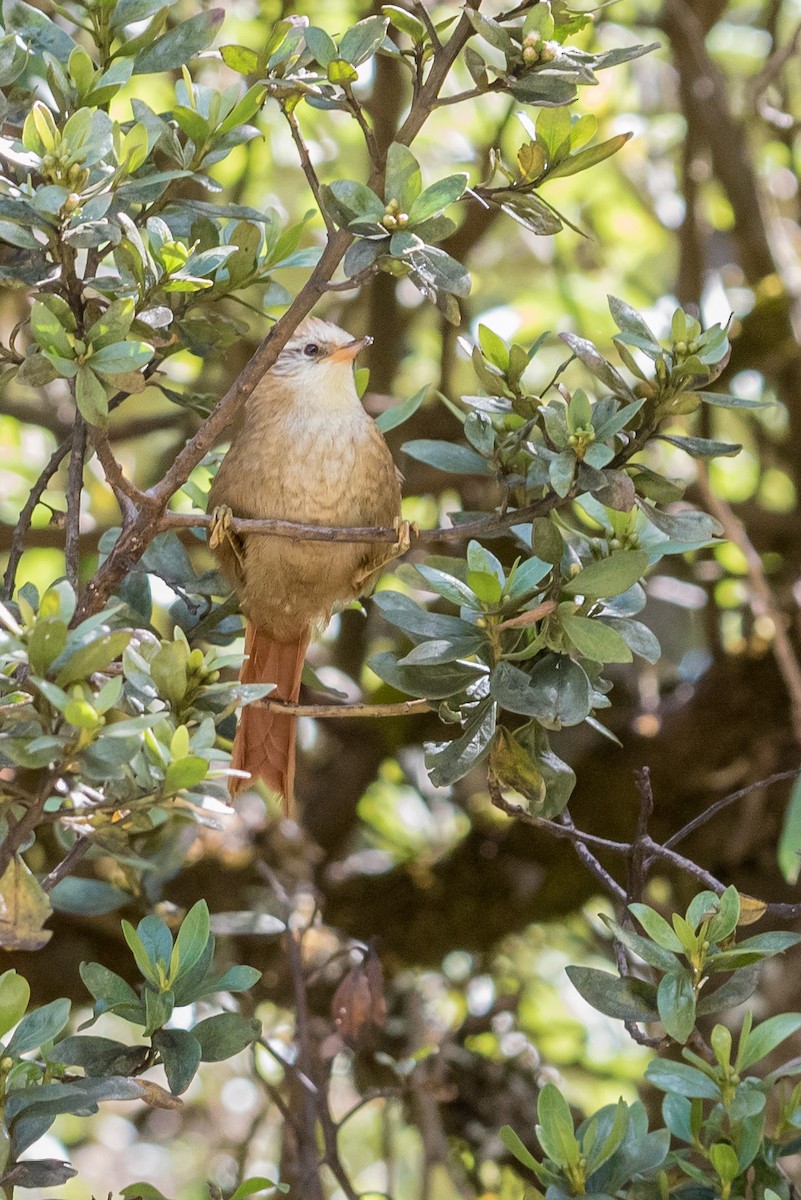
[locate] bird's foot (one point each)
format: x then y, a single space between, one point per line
404 530
220 527
221 531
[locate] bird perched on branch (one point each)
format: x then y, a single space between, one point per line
308 452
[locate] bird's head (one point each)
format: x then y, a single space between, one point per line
319 356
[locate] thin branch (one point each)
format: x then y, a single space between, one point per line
492 524
369 137
590 861
74 491
422 12
763 600
403 708
638 865
719 805
67 864
307 165
563 827
127 494
354 281
24 522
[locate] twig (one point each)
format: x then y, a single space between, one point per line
74 491
306 165
369 137
402 709
590 861
24 522
563 827
128 495
637 860
719 805
353 281
67 864
422 12
310 1100
493 523
763 600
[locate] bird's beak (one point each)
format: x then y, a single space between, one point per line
349 351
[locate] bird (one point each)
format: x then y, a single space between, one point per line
307 451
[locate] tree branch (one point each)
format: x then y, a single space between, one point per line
74 490
24 523
403 708
763 601
306 165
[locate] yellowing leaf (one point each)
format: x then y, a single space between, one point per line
24 908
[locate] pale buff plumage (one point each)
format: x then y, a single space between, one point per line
307 452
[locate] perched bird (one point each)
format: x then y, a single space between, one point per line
308 452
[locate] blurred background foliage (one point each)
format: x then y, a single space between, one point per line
474 915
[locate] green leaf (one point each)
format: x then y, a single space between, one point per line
88 897
36 30
347 200
702 447
657 928
437 197
608 576
449 761
14 996
445 456
405 22
49 331
158 1009
175 48
403 182
391 418
675 999
629 321
724 1160
363 39
38 1027
119 357
225 1035
191 942
180 1055
647 950
765 1038
250 1187
589 157
91 397
627 999
321 45
681 1079
724 400
513 1144
789 849
555 1129
557 692
94 657
593 640
106 987
430 683
638 637
184 773
47 641
739 988
241 59
447 585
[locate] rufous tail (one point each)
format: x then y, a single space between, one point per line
264 745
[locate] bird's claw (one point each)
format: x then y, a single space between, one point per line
404 530
220 527
221 531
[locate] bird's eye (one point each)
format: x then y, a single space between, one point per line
311 350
